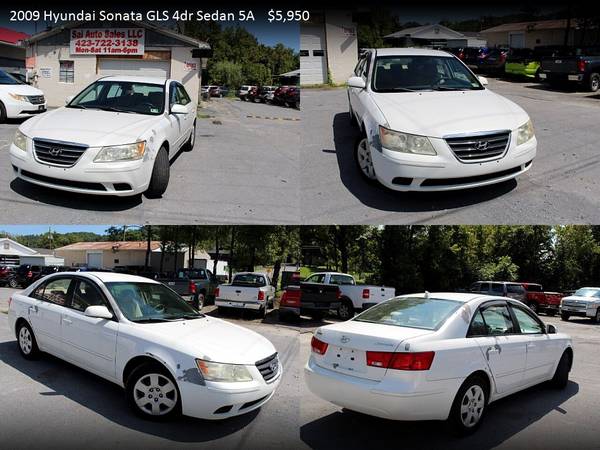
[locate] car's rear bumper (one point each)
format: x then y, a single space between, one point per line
555 77
223 303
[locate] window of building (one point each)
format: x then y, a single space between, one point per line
318 53
304 53
67 72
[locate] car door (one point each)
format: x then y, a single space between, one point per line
542 352
503 348
176 130
361 103
89 341
182 98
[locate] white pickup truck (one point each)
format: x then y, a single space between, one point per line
353 297
248 290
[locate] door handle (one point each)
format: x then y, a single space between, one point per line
67 320
493 349
33 308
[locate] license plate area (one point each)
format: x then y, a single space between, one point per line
573 77
347 360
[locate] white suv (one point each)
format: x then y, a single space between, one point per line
19 100
113 138
428 123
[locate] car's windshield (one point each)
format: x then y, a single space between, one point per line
150 302
412 312
422 73
5 78
122 96
587 292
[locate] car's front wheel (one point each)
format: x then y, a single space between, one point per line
362 157
346 310
561 375
597 315
469 406
160 175
152 393
564 316
189 145
2 113
27 343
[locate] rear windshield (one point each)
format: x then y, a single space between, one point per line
534 287
412 312
249 279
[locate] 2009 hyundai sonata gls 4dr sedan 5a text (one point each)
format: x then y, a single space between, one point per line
140 334
113 138
428 123
436 357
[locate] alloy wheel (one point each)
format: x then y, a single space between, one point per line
25 340
344 311
155 394
471 406
364 159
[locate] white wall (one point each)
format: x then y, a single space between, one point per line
342 45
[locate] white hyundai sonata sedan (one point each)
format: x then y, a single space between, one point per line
116 137
429 124
141 335
442 356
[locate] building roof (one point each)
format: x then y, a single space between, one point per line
109 245
162 30
11 36
15 248
431 32
531 26
293 73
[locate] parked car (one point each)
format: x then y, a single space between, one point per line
141 335
585 302
267 93
19 100
138 123
248 290
280 95
579 66
353 297
540 301
526 62
311 299
472 56
413 136
493 61
7 276
196 286
438 356
26 274
253 94
215 91
501 289
243 91
292 97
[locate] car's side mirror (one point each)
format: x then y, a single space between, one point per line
551 329
98 311
357 82
483 80
178 109
68 99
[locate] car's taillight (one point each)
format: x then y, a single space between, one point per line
461 55
261 295
581 65
192 287
29 274
319 347
366 294
400 361
291 298
217 292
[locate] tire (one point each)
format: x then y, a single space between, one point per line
346 310
189 145
2 113
353 120
152 392
363 160
160 175
13 283
594 83
564 316
466 418
551 312
561 375
596 318
262 312
26 341
533 306
199 301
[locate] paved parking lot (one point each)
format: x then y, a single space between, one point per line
244 168
561 187
79 410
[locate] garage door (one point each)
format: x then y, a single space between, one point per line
139 67
94 260
313 56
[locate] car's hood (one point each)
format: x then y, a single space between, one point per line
437 114
22 89
89 126
210 338
577 298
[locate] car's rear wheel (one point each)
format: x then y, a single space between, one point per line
594 83
160 175
26 340
533 306
561 375
597 316
199 301
362 156
2 113
564 316
189 145
152 392
469 406
346 310
13 283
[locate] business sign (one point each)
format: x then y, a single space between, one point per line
190 66
107 41
45 72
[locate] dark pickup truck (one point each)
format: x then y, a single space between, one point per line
573 65
310 299
196 286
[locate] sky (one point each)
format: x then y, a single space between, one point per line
20 230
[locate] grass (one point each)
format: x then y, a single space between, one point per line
323 86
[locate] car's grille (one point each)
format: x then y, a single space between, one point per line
64 154
36 99
574 304
479 147
268 367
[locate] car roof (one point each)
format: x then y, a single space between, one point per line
136 79
456 296
412 51
107 277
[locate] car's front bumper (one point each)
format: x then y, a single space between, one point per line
444 172
18 110
414 399
579 310
123 179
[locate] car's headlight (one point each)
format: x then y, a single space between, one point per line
405 143
126 152
18 97
525 133
229 373
20 141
